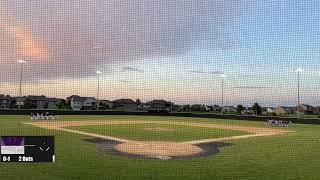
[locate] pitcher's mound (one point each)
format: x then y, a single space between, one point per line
158 148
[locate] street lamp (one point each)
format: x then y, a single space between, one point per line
98 79
299 71
21 63
222 76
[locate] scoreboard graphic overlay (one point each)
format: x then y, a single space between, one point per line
27 149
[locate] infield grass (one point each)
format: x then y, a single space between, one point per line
160 132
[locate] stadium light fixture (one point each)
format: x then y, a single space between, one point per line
222 76
98 72
21 63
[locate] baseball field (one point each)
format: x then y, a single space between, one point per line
154 147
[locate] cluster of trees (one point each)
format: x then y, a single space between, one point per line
255 108
63 104
197 108
103 106
194 108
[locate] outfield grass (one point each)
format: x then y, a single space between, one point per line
291 156
163 132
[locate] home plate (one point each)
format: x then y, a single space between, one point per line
163 157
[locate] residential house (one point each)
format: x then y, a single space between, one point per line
248 111
216 108
53 102
229 109
283 110
20 101
68 99
38 102
125 104
270 110
159 104
208 108
108 104
306 109
143 107
5 101
316 110
78 103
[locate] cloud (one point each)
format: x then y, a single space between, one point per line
125 81
132 69
197 72
252 87
140 89
27 46
206 72
74 38
216 72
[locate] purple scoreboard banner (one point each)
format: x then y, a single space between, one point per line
27 149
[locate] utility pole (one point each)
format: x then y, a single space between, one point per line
98 88
299 71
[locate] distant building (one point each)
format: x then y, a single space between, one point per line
53 102
159 104
5 101
248 112
143 107
283 110
208 108
216 108
38 102
41 102
125 104
68 99
229 109
82 103
20 101
306 109
316 110
270 110
107 103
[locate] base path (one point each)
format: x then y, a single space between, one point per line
159 148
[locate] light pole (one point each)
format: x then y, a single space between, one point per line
21 63
299 71
98 88
222 76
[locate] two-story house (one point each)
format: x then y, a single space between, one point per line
5 101
83 103
159 104
125 104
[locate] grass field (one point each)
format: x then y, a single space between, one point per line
163 132
294 155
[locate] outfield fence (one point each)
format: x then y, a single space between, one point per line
161 113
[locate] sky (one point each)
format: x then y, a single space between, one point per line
172 50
